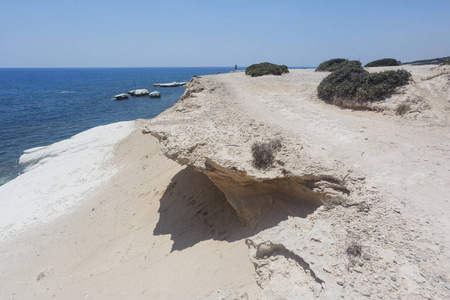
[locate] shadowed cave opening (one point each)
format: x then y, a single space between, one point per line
194 209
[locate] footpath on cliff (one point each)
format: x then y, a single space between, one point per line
387 233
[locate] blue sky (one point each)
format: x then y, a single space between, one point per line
137 33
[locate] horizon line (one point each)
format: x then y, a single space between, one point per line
232 67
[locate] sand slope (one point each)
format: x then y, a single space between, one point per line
141 237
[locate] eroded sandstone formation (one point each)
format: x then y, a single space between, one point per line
219 145
377 166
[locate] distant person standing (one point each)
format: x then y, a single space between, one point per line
235 67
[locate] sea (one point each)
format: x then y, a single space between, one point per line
39 107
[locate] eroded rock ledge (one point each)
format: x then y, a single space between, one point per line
324 152
208 130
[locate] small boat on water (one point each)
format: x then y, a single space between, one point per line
122 96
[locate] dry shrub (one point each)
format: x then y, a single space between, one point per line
402 109
354 248
264 153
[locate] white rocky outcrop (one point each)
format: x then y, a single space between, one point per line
58 177
139 92
122 96
171 84
154 94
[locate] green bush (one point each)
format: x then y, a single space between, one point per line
266 69
377 85
352 84
284 69
385 62
447 62
341 84
335 64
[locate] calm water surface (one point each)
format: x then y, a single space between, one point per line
39 107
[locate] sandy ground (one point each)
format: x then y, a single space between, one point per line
151 233
158 230
399 166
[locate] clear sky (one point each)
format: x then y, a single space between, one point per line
145 33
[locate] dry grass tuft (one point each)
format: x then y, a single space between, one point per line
402 109
354 248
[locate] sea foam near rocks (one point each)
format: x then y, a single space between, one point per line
58 177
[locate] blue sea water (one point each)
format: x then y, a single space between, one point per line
39 107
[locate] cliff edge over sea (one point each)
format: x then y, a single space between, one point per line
353 205
383 180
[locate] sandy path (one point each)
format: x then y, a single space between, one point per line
407 160
140 237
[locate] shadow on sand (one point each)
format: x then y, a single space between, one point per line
193 209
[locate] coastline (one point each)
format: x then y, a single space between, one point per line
159 229
58 177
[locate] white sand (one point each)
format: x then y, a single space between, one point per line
139 237
59 177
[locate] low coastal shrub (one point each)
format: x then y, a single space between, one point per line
266 68
264 153
341 84
335 64
385 62
447 62
350 85
381 84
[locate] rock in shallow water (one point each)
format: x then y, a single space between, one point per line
139 92
155 94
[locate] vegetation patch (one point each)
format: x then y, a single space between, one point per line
433 61
264 154
353 85
266 68
402 109
381 84
353 249
385 62
336 64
